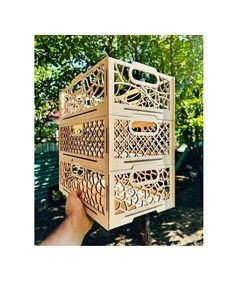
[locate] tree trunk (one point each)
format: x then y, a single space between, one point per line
172 67
162 64
145 222
108 47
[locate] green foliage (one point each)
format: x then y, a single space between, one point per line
58 59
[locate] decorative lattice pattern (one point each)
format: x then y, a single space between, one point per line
91 184
140 95
89 93
128 144
86 138
130 196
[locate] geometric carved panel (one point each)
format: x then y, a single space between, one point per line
129 143
85 138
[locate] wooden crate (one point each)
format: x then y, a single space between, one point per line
116 198
117 142
111 122
110 88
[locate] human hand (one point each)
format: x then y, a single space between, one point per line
75 212
75 226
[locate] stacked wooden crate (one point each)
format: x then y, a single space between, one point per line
117 141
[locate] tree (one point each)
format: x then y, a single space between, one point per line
58 59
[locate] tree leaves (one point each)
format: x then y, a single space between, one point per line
59 58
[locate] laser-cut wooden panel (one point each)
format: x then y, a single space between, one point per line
117 140
145 188
87 138
91 184
85 92
74 174
141 188
130 142
137 139
132 92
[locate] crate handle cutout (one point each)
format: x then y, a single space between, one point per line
144 69
145 177
146 128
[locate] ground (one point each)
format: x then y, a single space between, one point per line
182 225
177 226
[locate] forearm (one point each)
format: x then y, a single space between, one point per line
75 225
66 234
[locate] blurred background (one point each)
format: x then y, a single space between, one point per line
58 59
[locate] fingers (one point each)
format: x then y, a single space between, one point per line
73 194
91 221
76 194
78 191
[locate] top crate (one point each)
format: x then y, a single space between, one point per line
114 87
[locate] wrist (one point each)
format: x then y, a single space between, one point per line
76 225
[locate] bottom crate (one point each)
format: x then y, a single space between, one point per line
116 198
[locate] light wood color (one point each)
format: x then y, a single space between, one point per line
128 148
117 141
89 98
107 78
